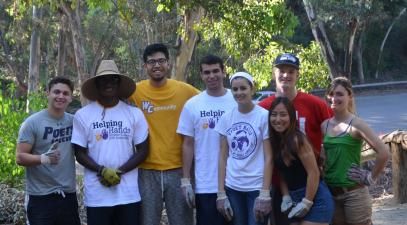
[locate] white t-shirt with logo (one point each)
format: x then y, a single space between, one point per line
198 119
110 135
245 134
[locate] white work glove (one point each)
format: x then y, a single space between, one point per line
188 192
223 206
262 205
286 204
301 209
359 175
52 155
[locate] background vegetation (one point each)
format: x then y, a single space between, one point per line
363 39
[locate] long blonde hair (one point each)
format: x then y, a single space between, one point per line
344 82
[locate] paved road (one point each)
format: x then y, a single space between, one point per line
384 113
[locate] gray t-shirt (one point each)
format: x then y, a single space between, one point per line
41 130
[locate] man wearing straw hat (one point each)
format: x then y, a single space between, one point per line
110 139
162 100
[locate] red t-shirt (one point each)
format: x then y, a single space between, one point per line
311 112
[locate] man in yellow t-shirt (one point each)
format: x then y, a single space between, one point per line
161 100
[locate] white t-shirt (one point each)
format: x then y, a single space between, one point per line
245 134
110 136
198 119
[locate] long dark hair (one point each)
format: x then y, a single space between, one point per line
291 140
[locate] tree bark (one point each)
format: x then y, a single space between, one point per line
353 27
399 170
61 47
385 39
35 58
187 42
319 33
75 27
359 57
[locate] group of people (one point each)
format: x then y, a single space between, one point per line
291 159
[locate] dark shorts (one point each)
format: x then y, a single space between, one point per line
128 214
323 208
53 209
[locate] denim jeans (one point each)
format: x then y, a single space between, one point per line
206 212
242 203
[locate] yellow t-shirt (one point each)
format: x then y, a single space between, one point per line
162 107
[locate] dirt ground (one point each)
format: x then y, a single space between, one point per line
387 212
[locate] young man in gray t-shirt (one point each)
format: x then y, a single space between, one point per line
44 148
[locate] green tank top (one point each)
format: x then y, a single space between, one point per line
341 152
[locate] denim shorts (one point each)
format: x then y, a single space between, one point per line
323 208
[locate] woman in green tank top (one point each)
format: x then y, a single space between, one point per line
343 137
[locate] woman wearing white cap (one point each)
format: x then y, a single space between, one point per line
245 162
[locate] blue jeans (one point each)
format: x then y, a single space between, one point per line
242 204
206 212
53 209
323 208
128 214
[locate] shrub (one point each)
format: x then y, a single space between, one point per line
12 114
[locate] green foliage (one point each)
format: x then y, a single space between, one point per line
313 70
249 26
12 114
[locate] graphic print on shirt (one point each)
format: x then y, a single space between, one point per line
209 118
243 140
148 107
60 135
110 130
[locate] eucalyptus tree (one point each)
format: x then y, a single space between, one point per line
339 26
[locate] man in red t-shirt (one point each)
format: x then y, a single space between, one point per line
311 112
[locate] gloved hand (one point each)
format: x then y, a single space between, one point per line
188 192
52 155
109 177
301 209
360 175
223 206
262 205
286 204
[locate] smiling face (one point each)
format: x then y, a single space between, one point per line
286 78
212 75
242 90
279 118
59 96
108 86
157 67
339 99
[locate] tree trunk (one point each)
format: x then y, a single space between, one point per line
353 27
35 57
15 69
75 27
61 47
385 39
319 33
187 42
399 170
359 57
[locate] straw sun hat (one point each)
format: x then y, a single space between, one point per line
108 68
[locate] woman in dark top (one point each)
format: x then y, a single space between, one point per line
306 198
